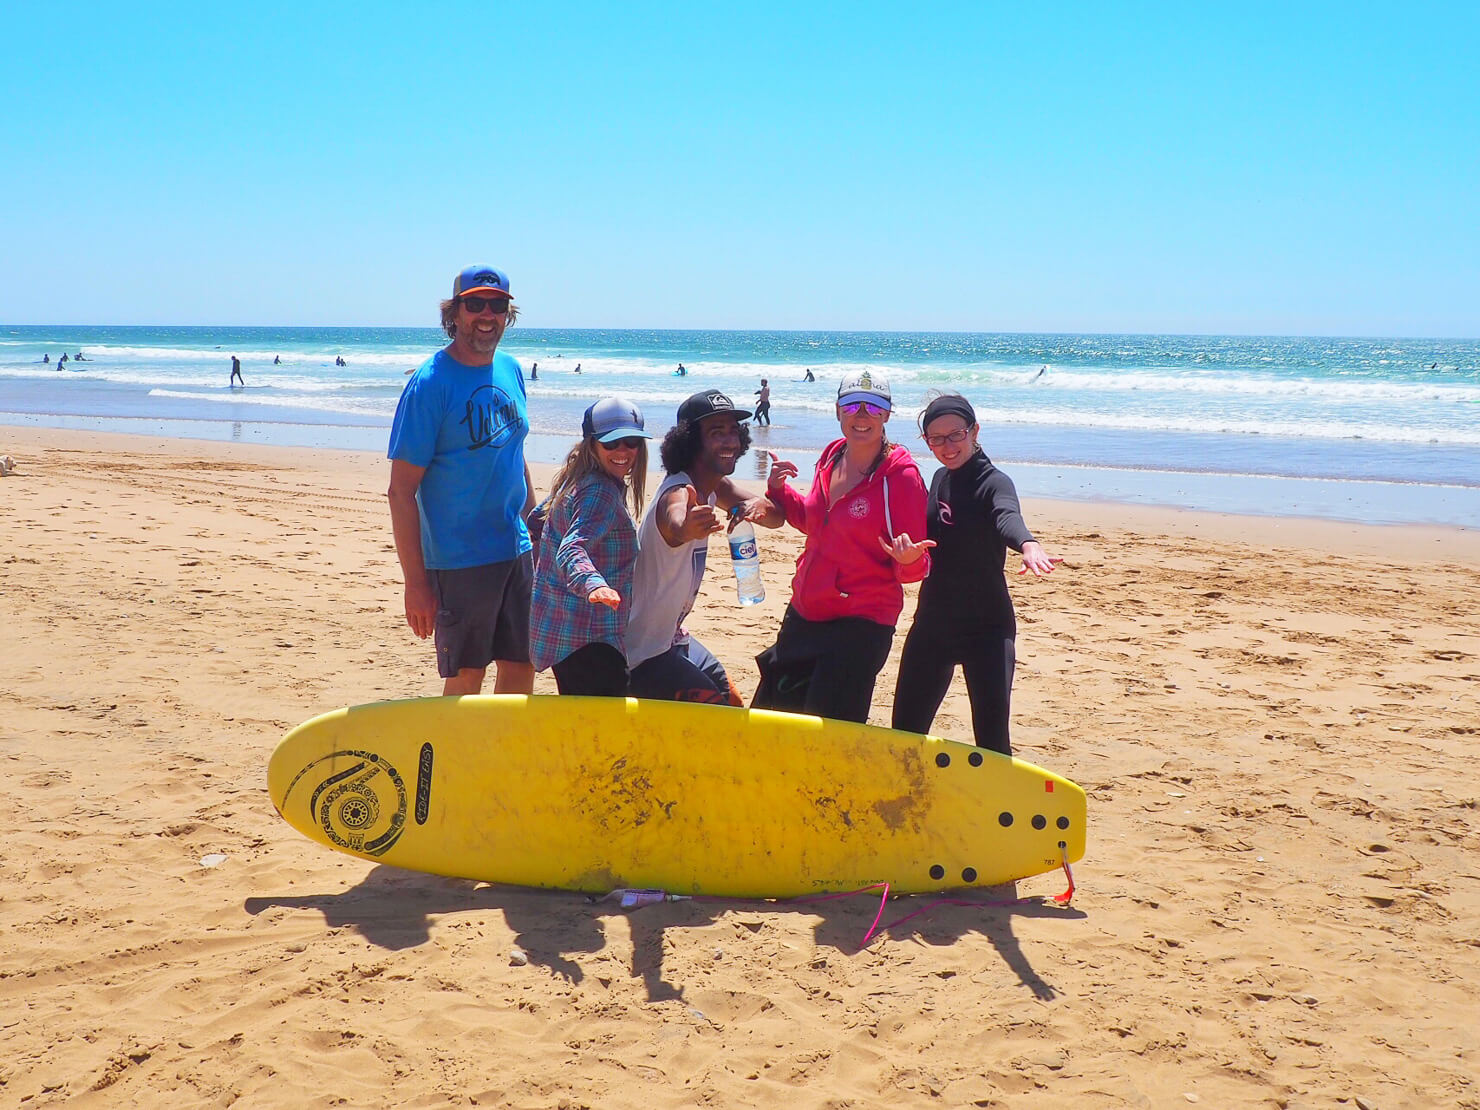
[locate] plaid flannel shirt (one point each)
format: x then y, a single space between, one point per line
588 542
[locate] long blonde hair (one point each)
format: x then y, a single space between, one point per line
584 460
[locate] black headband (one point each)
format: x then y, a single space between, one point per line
951 404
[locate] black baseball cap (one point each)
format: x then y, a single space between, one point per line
710 402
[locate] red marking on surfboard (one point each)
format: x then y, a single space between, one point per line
1048 786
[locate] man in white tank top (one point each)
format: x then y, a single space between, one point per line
699 454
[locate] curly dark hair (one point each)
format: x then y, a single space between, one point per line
681 445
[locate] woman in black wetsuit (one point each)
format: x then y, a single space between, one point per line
965 615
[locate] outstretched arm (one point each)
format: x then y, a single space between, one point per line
756 508
1037 560
682 518
591 517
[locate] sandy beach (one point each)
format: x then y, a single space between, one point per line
1275 720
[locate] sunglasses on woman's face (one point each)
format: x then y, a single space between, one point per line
632 443
475 305
855 407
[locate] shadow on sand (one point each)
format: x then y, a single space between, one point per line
393 909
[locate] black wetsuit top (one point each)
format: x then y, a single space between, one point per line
974 517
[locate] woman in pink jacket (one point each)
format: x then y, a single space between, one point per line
861 516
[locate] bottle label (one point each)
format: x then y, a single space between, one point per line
743 549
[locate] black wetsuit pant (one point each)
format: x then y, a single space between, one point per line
834 664
596 670
929 660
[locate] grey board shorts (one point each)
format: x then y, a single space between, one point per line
482 614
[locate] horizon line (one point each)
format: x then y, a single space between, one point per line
811 331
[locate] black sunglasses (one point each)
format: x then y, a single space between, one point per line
475 305
632 443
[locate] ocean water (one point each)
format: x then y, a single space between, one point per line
1386 430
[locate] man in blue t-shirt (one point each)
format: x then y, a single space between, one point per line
460 490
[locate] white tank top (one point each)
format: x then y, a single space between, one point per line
664 584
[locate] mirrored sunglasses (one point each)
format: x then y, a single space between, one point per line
853 408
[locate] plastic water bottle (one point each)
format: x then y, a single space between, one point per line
631 899
747 559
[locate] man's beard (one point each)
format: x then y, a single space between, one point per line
482 343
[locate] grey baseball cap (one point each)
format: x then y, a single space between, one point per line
613 418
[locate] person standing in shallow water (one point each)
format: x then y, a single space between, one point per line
763 404
965 616
236 372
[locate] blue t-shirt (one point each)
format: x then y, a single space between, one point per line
466 425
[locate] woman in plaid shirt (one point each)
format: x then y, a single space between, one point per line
583 580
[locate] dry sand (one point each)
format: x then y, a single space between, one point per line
1275 721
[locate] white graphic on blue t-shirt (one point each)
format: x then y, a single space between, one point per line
465 426
491 417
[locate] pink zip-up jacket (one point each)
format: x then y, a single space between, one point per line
842 571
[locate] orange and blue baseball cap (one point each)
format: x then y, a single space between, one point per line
481 279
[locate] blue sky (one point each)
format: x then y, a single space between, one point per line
1289 169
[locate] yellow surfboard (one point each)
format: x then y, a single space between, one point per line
596 794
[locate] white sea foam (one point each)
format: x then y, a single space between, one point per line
1307 429
351 406
1223 383
260 359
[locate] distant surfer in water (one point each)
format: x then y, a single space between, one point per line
78 358
277 360
810 377
236 373
682 371
1038 375
534 371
